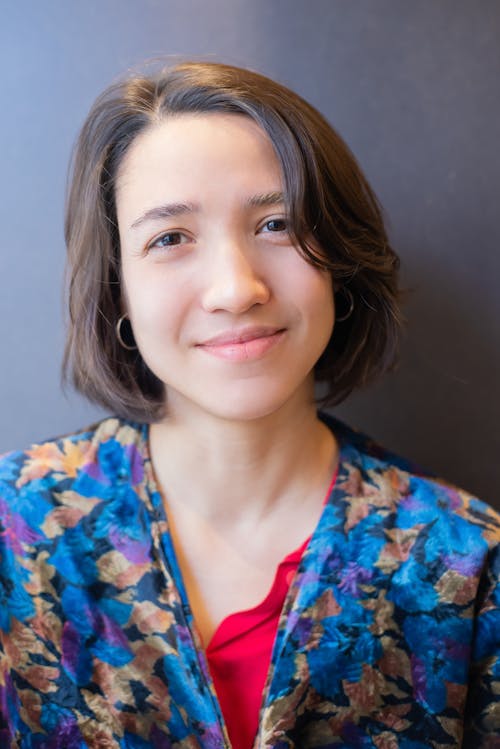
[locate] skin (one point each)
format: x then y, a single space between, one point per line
232 319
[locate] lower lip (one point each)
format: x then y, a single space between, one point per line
255 348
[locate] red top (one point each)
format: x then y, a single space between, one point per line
240 651
239 654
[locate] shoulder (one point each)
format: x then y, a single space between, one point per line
398 494
42 471
64 503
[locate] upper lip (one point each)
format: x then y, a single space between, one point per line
240 336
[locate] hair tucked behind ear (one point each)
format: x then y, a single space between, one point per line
330 205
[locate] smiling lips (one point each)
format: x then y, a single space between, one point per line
242 345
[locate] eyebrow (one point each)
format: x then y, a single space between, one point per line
164 211
266 199
177 209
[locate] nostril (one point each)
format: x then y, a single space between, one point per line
235 293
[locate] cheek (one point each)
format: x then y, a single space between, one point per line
312 290
150 306
325 316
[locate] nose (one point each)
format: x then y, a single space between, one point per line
233 282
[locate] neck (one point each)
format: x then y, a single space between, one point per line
238 472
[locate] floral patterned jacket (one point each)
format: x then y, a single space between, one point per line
389 636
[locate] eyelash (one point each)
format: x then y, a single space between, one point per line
155 243
276 221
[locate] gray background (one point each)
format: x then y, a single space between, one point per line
413 87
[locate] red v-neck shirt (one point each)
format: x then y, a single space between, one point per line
239 653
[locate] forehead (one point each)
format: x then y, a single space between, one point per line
184 145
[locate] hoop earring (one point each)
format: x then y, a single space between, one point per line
348 294
118 329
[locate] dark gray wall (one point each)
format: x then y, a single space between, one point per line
412 87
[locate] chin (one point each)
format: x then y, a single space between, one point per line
246 413
246 404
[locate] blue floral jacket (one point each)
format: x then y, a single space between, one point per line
389 636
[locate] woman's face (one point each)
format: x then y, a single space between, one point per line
225 311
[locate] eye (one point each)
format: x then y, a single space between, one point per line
167 239
275 225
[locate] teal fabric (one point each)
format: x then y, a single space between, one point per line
389 636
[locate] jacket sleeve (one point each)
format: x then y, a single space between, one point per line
8 701
14 600
482 713
8 696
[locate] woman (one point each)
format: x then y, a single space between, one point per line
219 562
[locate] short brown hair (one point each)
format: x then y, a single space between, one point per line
330 205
